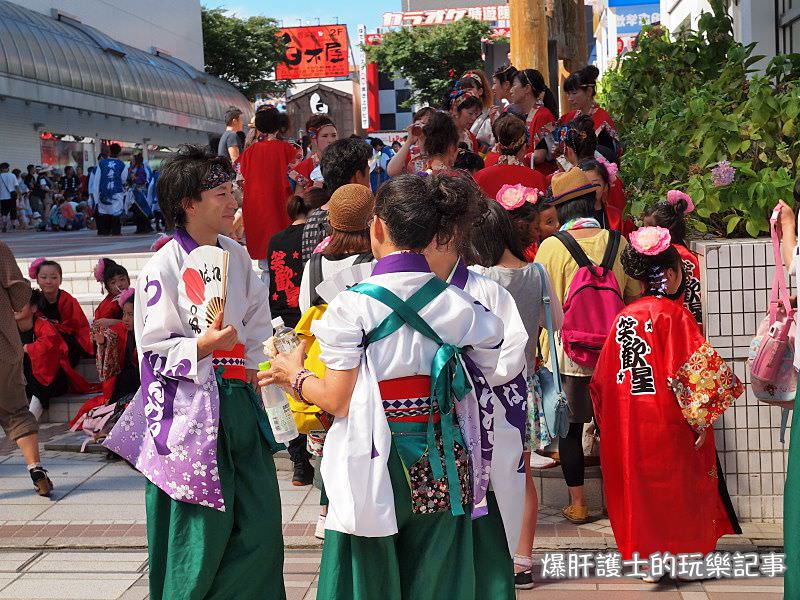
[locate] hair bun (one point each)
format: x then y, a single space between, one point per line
589 74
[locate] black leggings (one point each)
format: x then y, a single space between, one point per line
570 452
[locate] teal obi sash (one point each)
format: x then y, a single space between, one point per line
448 377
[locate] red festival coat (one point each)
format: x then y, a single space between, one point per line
265 167
109 308
73 321
691 267
657 382
48 353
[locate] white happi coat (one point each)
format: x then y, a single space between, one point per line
507 482
355 462
169 430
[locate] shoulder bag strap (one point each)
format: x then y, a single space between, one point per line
364 257
779 292
611 250
551 334
315 278
574 249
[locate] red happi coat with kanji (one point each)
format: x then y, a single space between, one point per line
657 384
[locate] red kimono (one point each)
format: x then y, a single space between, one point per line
541 122
691 298
657 382
301 173
602 122
491 179
109 308
491 158
69 319
265 167
48 353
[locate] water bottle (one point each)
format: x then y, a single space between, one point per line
285 338
279 413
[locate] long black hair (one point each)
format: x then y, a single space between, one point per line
534 79
495 234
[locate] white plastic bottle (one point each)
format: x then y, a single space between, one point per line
279 413
285 338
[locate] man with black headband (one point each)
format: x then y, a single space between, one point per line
196 429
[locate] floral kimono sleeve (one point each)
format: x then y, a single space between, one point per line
705 387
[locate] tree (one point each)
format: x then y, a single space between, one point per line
243 52
431 58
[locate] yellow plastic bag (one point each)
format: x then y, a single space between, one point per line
306 416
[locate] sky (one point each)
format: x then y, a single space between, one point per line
351 12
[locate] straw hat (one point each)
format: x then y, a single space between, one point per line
351 207
570 185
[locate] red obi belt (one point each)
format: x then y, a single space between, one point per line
408 399
232 363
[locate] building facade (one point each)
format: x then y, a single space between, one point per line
69 86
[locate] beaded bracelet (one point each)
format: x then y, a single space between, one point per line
297 386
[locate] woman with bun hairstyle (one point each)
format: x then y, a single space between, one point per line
581 88
115 280
62 309
322 131
671 214
402 483
502 80
410 158
510 168
465 108
657 390
531 94
475 82
441 142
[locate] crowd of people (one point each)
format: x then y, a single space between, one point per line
49 199
473 304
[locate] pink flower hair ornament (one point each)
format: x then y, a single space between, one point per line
512 197
675 196
99 270
611 168
650 241
33 269
124 296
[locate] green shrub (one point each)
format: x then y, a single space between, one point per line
684 106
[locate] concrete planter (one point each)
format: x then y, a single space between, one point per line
736 278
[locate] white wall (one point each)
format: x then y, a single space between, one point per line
20 141
674 12
174 25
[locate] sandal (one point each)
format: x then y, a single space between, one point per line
523 580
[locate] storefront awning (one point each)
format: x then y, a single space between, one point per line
64 62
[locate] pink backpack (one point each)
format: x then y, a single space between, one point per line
771 357
592 303
97 423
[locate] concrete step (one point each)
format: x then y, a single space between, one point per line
553 492
63 408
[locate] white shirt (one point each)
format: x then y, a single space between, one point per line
329 269
8 184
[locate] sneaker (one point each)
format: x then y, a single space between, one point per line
303 474
578 515
36 407
41 482
523 580
650 578
319 532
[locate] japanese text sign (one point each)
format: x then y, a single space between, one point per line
312 52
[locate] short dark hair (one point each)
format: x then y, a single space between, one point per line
111 269
37 299
418 210
268 120
302 205
505 74
342 160
317 122
467 160
493 236
440 133
577 208
232 114
16 171
4 166
50 263
114 150
180 179
423 112
29 167
377 143
347 243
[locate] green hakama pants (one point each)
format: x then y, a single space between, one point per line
198 553
433 556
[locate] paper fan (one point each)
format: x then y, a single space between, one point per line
203 287
343 280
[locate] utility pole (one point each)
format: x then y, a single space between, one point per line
528 34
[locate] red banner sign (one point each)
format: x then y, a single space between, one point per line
312 52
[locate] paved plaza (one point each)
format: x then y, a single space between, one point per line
28 244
